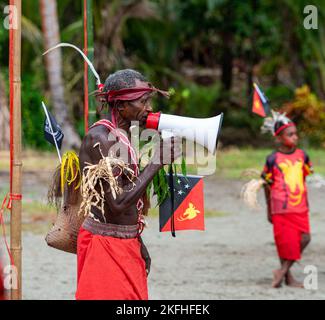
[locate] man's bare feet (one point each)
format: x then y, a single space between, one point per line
290 281
278 276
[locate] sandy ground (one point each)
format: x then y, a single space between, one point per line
232 259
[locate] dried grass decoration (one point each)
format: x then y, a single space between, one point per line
95 174
250 189
64 192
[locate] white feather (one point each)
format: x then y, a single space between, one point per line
269 122
63 44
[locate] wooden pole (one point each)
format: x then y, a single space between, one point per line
89 81
15 145
86 93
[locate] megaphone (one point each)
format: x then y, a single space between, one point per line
204 131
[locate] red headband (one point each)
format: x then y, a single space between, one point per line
129 94
285 126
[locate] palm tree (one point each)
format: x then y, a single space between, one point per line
53 61
111 17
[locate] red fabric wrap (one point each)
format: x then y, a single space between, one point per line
288 229
285 126
129 94
110 268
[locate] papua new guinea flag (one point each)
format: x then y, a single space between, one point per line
188 205
260 102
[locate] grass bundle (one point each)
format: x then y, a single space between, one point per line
249 193
94 177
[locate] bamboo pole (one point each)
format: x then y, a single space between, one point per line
89 81
15 142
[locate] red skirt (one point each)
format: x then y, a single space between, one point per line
288 229
110 268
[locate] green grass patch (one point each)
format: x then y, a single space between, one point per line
32 208
33 161
215 214
37 217
232 162
38 209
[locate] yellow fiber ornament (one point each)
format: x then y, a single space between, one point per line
70 170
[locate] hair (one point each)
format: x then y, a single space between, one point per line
278 124
121 79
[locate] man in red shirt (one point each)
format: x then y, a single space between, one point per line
286 195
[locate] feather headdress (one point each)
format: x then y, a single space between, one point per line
271 124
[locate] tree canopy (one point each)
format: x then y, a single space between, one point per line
208 52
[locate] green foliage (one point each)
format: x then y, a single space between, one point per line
32 115
309 113
232 162
202 100
207 51
279 94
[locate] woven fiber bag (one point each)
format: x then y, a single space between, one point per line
64 233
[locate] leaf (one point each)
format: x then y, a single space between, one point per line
32 33
148 189
183 167
160 186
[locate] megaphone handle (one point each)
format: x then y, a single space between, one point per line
171 188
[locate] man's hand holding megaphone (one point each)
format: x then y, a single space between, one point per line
167 151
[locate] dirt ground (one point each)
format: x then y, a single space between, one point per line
232 259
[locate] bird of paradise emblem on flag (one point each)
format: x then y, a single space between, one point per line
188 205
189 214
293 177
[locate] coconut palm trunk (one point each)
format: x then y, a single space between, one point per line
53 61
4 117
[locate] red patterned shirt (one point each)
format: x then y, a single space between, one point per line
286 175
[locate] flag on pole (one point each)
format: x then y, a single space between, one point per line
188 205
260 102
52 131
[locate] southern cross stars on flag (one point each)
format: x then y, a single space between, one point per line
260 102
188 205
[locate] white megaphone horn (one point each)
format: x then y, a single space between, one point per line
204 131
